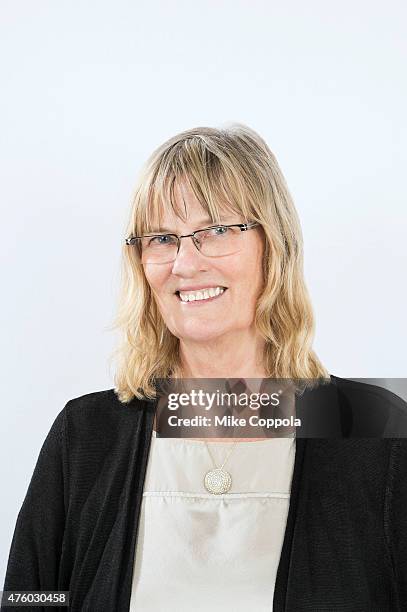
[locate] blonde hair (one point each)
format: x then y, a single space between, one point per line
230 167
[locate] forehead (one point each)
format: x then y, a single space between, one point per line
185 208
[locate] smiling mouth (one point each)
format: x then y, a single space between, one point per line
202 300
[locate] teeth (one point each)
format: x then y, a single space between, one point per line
203 294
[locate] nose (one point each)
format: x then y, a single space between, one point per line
189 259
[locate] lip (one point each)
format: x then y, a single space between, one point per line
197 288
200 302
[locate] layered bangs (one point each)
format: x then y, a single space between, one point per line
211 174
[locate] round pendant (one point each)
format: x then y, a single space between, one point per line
218 481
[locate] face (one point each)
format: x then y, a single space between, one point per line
240 273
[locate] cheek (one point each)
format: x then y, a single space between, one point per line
251 274
155 278
157 282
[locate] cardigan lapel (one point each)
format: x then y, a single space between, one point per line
283 570
110 587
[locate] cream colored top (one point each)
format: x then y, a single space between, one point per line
199 551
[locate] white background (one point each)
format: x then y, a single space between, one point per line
89 89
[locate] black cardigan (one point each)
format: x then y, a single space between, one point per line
345 544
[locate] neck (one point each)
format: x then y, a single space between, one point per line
240 355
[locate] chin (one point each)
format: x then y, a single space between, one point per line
201 333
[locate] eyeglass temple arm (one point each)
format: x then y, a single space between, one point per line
245 226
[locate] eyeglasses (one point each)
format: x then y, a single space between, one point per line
215 241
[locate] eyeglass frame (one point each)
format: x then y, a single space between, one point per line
243 228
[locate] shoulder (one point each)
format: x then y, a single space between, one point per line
359 389
354 408
96 433
100 415
103 403
373 409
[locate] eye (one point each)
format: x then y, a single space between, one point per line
164 240
219 230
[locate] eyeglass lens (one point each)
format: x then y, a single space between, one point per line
213 242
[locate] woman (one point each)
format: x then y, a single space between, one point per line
126 520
